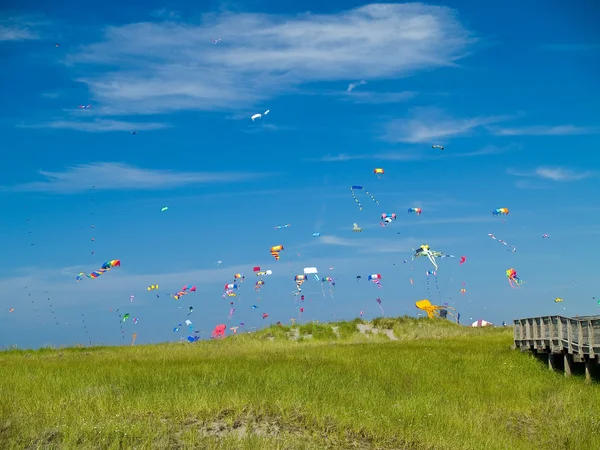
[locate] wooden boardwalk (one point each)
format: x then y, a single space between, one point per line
576 339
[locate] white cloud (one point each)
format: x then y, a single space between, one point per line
378 98
371 245
354 85
101 125
429 124
548 173
336 240
561 174
113 176
419 155
171 65
560 130
17 29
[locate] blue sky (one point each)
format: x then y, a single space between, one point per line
510 92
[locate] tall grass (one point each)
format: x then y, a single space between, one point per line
440 386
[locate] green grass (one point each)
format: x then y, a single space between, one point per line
439 386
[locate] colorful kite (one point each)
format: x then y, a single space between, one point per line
417 211
360 188
513 280
511 248
275 251
105 268
500 212
356 228
387 219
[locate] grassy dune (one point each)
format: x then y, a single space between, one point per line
316 386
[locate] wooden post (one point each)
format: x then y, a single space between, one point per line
588 368
568 364
551 360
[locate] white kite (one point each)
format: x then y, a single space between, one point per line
424 250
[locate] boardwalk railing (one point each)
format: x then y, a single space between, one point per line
576 339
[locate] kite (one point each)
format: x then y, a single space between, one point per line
360 188
558 300
378 300
424 250
417 211
239 276
378 172
105 268
265 315
375 278
358 278
216 41
356 228
463 259
312 271
164 209
331 282
281 227
545 236
387 219
513 280
152 287
219 331
133 132
299 279
191 310
131 297
234 329
258 116
500 212
316 235
184 291
85 106
511 248
436 311
437 146
11 310
258 285
463 291
275 251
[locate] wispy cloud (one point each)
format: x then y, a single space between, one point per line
336 240
115 176
380 245
549 173
378 98
100 125
354 85
429 124
559 130
172 65
561 174
418 154
17 29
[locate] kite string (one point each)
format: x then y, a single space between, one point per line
86 330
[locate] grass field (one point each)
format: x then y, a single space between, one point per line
316 386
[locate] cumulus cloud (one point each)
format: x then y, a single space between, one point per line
160 67
115 176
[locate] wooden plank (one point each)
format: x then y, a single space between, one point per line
588 371
568 364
